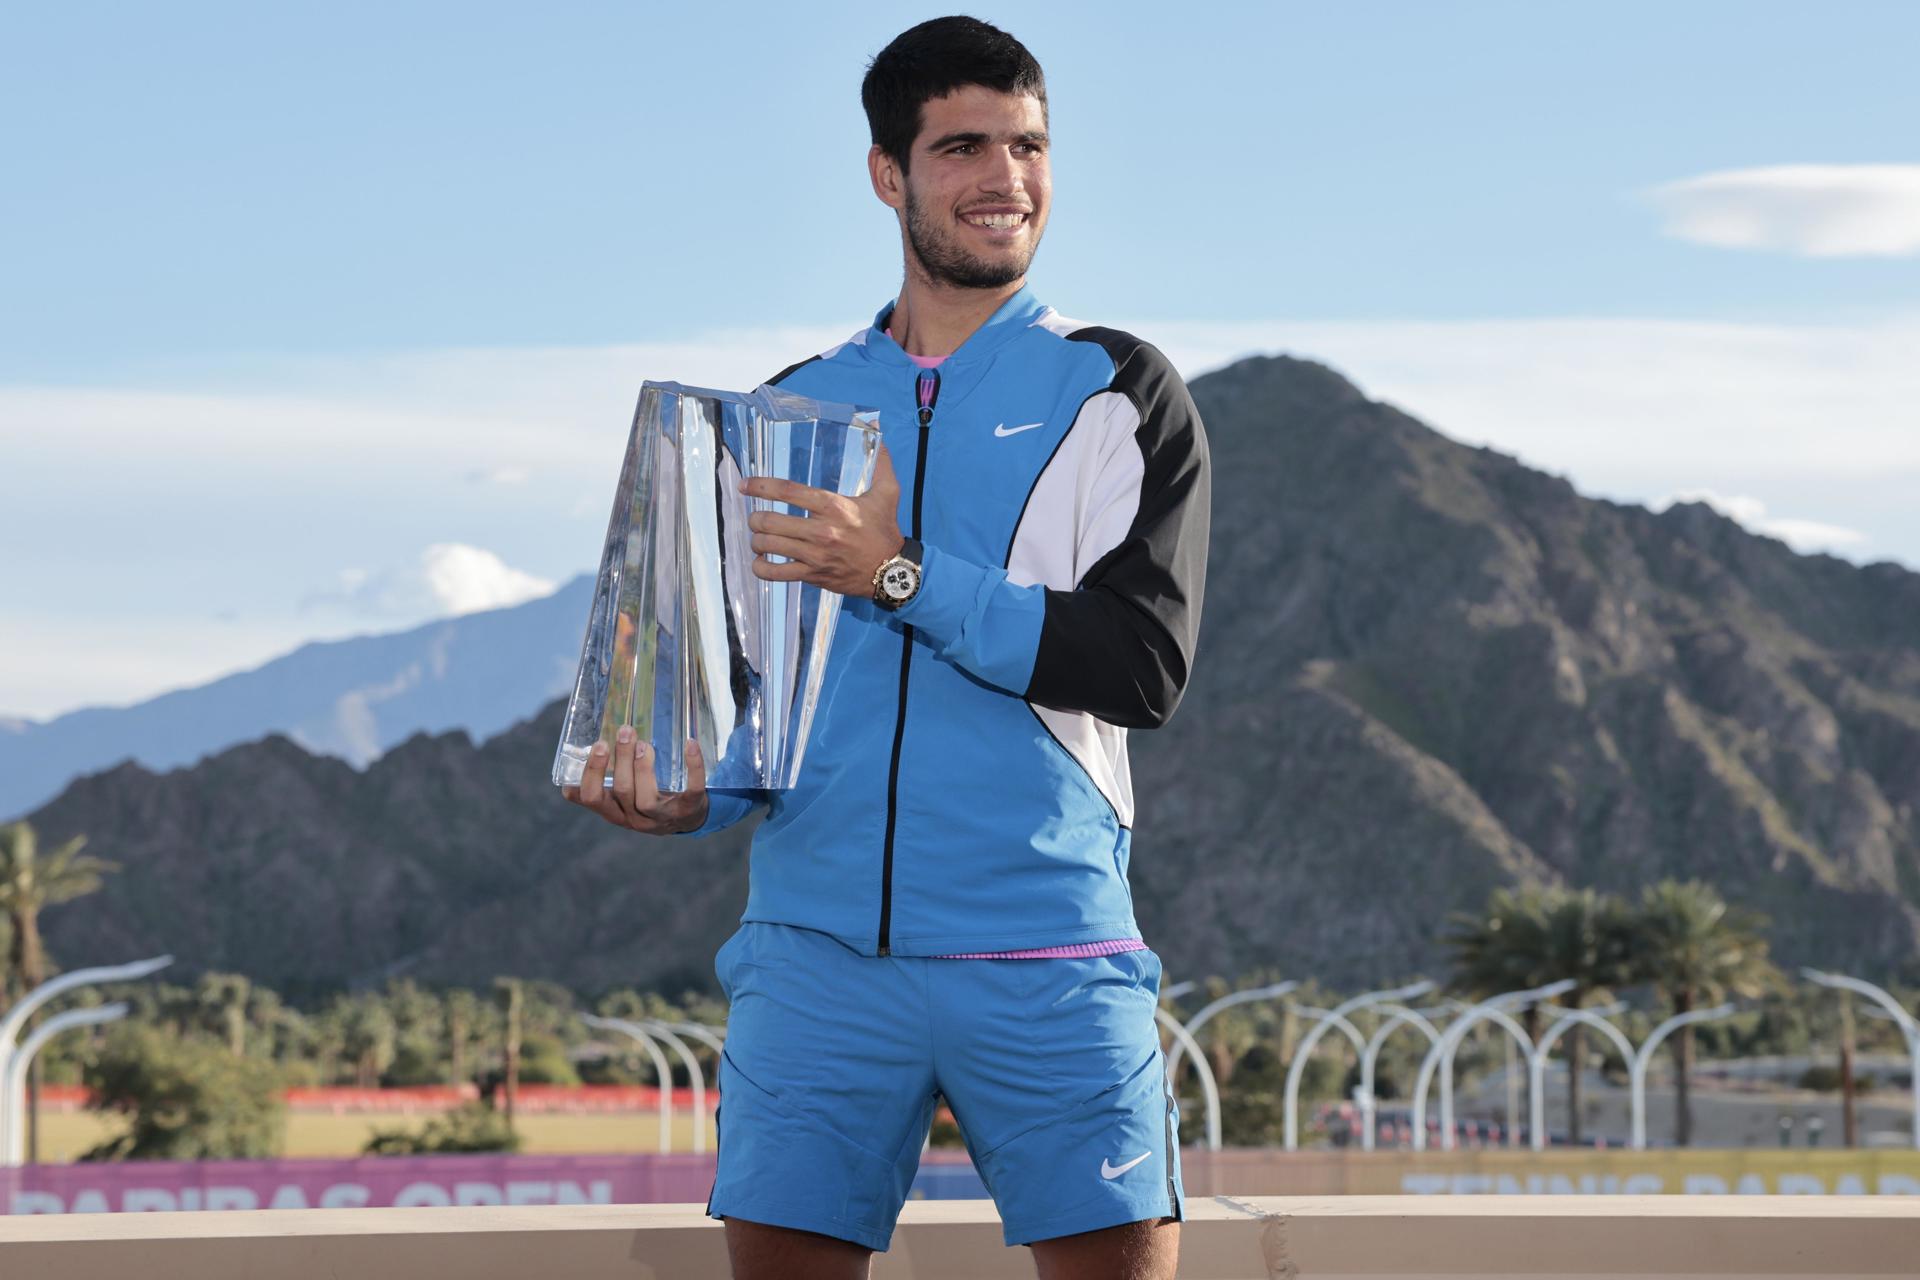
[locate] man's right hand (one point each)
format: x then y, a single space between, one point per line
633 801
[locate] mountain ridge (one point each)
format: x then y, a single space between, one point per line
352 698
1425 671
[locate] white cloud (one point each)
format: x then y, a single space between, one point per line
1635 407
1817 210
1802 535
447 580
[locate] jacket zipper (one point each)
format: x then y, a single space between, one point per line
926 390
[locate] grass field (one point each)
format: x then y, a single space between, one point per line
63 1136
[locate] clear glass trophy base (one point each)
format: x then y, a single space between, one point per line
684 641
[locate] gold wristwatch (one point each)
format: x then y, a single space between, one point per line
898 580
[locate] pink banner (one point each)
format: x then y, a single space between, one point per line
147 1185
533 1099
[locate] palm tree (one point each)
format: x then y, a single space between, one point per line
1587 939
1695 948
1505 947
1532 935
512 996
368 1039
224 998
463 1016
28 885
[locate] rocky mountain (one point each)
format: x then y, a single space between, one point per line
1426 670
348 698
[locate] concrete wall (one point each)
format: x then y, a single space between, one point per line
1225 1238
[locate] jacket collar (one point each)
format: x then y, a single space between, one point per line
1015 314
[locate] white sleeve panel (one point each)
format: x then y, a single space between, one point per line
1080 508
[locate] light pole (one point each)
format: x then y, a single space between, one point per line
1440 1056
1201 1018
1202 1068
13 1106
1330 1019
1397 1016
694 1079
1908 1026
715 1038
1537 1065
17 1067
1637 1069
661 1070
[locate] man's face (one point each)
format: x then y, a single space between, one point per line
979 189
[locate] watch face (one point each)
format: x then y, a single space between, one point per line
899 581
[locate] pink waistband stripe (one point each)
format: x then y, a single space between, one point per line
1076 949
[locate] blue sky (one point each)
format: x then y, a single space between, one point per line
327 318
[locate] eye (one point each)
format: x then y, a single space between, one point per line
966 148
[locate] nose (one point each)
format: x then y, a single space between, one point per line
1005 178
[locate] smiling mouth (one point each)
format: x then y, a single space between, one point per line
995 221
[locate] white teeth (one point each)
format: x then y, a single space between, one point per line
998 220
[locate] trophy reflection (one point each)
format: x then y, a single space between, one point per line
684 642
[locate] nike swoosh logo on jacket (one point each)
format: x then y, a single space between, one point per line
966 785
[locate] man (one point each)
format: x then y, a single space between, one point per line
940 907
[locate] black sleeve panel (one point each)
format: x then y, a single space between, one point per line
787 372
1120 647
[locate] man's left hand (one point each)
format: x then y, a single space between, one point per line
839 543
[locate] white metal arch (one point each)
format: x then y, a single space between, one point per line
662 1072
1445 1048
1399 1016
1209 1089
1330 1019
1537 1066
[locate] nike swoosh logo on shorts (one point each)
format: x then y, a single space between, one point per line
1109 1172
1004 430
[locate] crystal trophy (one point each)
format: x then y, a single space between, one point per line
684 641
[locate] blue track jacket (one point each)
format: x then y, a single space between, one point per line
965 786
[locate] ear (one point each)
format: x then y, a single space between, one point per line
889 184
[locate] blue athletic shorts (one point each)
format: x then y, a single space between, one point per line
1052 1068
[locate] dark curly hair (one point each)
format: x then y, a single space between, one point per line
931 61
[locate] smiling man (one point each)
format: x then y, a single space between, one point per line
939 908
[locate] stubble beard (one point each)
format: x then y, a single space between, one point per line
946 263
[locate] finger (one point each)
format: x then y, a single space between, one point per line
767 544
696 769
792 571
593 778
687 809
623 746
883 477
791 492
785 526
646 790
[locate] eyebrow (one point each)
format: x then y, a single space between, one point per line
975 137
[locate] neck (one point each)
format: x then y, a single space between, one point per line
931 319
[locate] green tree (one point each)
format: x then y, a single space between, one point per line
185 1099
463 1024
1694 948
1229 1034
472 1127
1505 947
368 1040
512 996
29 884
1588 938
224 998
